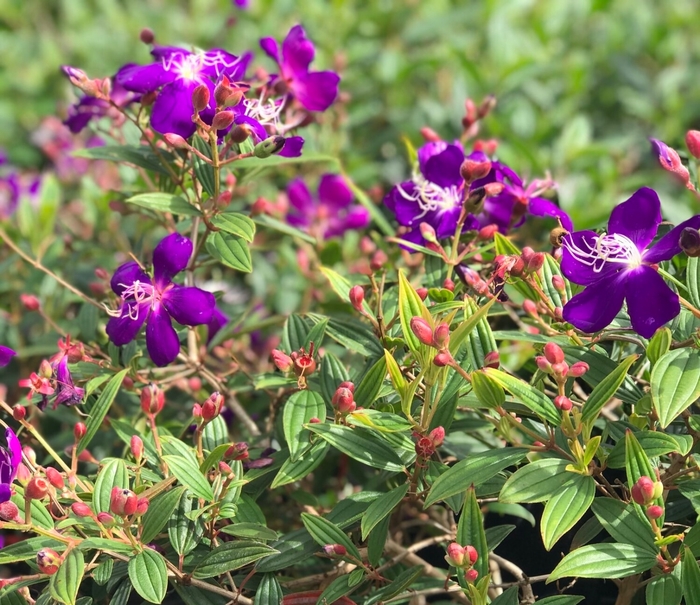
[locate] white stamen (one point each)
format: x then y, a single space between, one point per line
431 197
188 66
266 112
605 248
141 293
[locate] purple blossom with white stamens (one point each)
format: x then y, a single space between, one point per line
10 458
88 108
176 73
155 300
331 213
618 265
315 90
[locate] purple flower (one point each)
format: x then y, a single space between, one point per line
6 355
315 90
508 208
176 73
156 300
434 195
66 392
332 213
618 265
218 320
241 3
88 108
251 113
10 458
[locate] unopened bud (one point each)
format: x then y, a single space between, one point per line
471 170
422 293
343 401
357 296
175 140
237 451
122 502
428 233
29 302
437 436
471 575
563 403
429 135
239 133
492 359
80 509
553 352
55 478
106 519
152 400
337 550
9 511
79 430
646 490
578 369
422 330
493 189
200 98
441 336
211 408
367 246
346 384
448 284
48 561
19 412
24 475
222 120
137 447
692 141
222 91
196 411
378 260
487 233
141 506
655 511
558 283
37 488
264 149
543 364
147 36
442 359
283 361
669 160
560 369
690 242
530 308
533 260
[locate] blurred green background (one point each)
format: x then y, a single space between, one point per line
581 84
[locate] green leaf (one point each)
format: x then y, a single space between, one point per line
254 531
692 276
103 572
64 584
496 534
560 599
659 345
550 268
269 591
203 170
405 580
470 530
122 593
324 532
664 590
489 392
190 476
235 224
690 577
675 384
382 507
530 397
139 155
230 556
112 474
301 407
158 514
464 329
184 533
352 334
215 434
384 422
273 223
39 514
231 250
537 481
509 597
149 575
360 444
26 549
164 202
621 521
333 372
101 407
307 463
370 385
410 306
654 444
609 561
377 540
565 509
605 390
340 587
475 470
341 286
275 161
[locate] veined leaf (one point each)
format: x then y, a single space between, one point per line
230 556
149 575
565 508
529 396
608 561
381 507
298 410
101 407
675 384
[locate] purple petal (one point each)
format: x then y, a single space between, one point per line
356 218
161 339
189 306
259 131
662 152
271 49
297 52
333 191
443 168
538 206
292 147
637 218
127 274
5 493
170 257
427 151
667 247
317 90
650 302
448 223
143 78
579 272
123 329
218 320
15 449
217 62
172 110
596 307
498 210
6 355
300 197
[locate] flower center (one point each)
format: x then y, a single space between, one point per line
605 248
430 197
135 295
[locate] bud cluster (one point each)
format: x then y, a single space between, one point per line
343 400
438 338
125 503
644 492
463 557
300 362
426 446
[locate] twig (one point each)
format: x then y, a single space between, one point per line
519 574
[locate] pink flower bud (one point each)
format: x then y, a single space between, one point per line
337 550
428 233
283 361
24 475
37 488
422 293
9 511
553 352
19 412
492 360
357 296
437 436
533 263
29 302
471 170
492 189
471 554
669 160
211 408
122 502
655 511
563 403
141 506
561 370
152 400
200 98
448 284
442 359
441 335
79 431
379 259
347 385
48 561
422 330
80 509
487 233
175 140
578 369
55 478
470 575
558 284
429 134
455 555
692 141
106 519
530 308
644 490
344 401
222 120
136 447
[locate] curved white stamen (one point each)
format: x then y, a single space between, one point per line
431 197
133 296
188 66
605 248
266 112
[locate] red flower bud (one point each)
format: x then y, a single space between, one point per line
422 330
692 141
80 509
222 120
200 98
122 502
343 400
211 408
441 336
471 554
487 233
37 488
655 511
304 363
562 402
136 447
357 296
283 361
106 519
492 359
9 511
470 575
645 490
448 284
147 36
437 436
237 451
19 412
222 91
175 140
553 352
48 561
533 260
578 369
141 506
29 302
337 550
152 400
379 259
428 233
442 359
79 431
422 293
347 385
471 170
55 478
